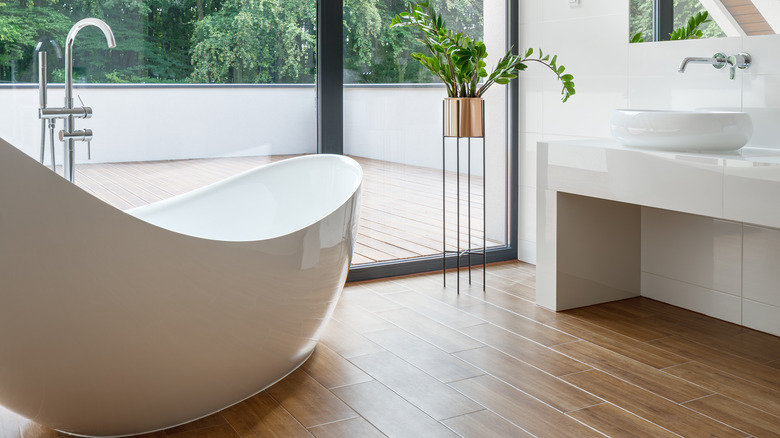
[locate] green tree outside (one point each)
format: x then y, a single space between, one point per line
214 41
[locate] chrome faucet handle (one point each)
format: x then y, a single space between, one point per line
739 61
77 135
88 139
87 110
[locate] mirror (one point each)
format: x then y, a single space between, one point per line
660 20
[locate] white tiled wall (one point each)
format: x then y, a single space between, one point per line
694 297
724 269
693 249
591 40
761 276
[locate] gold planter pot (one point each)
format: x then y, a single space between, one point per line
463 117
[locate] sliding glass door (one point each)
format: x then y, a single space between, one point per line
197 90
393 127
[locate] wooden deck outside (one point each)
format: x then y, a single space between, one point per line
401 215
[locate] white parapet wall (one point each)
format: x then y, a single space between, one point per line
400 124
150 123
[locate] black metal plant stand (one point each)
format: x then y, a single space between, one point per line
469 251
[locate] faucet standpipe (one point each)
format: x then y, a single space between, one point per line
42 103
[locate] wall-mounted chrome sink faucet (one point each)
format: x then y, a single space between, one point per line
68 113
719 60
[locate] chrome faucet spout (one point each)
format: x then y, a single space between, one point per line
69 134
100 24
718 61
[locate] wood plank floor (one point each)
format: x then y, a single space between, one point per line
401 211
405 357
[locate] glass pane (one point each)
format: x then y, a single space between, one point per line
194 91
685 9
393 127
641 19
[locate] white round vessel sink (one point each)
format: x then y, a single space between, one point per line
683 131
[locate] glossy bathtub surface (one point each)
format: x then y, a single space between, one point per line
112 325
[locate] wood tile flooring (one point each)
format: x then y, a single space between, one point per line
401 212
404 357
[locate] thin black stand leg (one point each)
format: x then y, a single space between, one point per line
443 197
484 203
457 226
469 206
484 218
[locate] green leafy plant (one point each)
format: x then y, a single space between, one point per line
691 30
459 60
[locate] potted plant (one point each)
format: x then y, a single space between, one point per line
459 62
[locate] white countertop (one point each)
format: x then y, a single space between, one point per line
741 186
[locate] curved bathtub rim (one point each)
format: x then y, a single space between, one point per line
195 192
185 197
201 417
126 213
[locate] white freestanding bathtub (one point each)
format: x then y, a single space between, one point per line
115 324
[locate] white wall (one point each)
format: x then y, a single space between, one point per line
591 41
162 123
397 124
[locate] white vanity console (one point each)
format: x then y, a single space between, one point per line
696 230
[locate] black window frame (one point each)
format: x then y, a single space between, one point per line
663 19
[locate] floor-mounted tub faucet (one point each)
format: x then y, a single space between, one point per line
70 135
719 60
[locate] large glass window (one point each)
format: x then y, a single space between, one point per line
198 89
393 127
193 91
